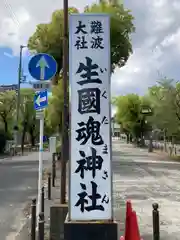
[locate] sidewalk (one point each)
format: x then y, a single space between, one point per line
118 203
55 196
156 153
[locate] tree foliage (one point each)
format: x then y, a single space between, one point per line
164 101
7 108
48 38
121 27
55 108
129 115
28 124
28 115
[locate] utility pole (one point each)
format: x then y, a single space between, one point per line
65 125
16 129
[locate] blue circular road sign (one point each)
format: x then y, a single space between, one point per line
42 66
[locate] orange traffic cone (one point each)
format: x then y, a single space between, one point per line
133 228
128 215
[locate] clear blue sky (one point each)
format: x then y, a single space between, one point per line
9 67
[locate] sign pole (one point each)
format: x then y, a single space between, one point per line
42 67
65 125
40 164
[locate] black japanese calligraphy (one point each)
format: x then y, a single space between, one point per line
89 100
105 149
90 72
89 163
104 120
89 130
104 95
96 27
97 42
83 202
101 70
105 199
81 43
80 28
105 175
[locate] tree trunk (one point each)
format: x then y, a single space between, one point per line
5 126
127 138
136 141
32 136
23 137
142 137
130 138
150 146
165 145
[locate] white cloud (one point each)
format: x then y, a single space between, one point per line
161 14
136 73
156 43
19 18
172 40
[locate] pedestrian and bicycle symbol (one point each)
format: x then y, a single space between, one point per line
42 66
40 100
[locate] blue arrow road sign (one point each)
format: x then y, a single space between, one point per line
40 100
42 66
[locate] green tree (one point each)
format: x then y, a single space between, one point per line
7 109
165 100
48 38
28 115
54 109
129 115
121 27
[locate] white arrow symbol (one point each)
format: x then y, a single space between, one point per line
39 100
42 63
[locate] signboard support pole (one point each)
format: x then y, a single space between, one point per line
42 67
65 138
40 165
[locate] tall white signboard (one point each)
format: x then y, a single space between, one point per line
89 59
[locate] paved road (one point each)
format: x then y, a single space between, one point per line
138 176
18 184
144 179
